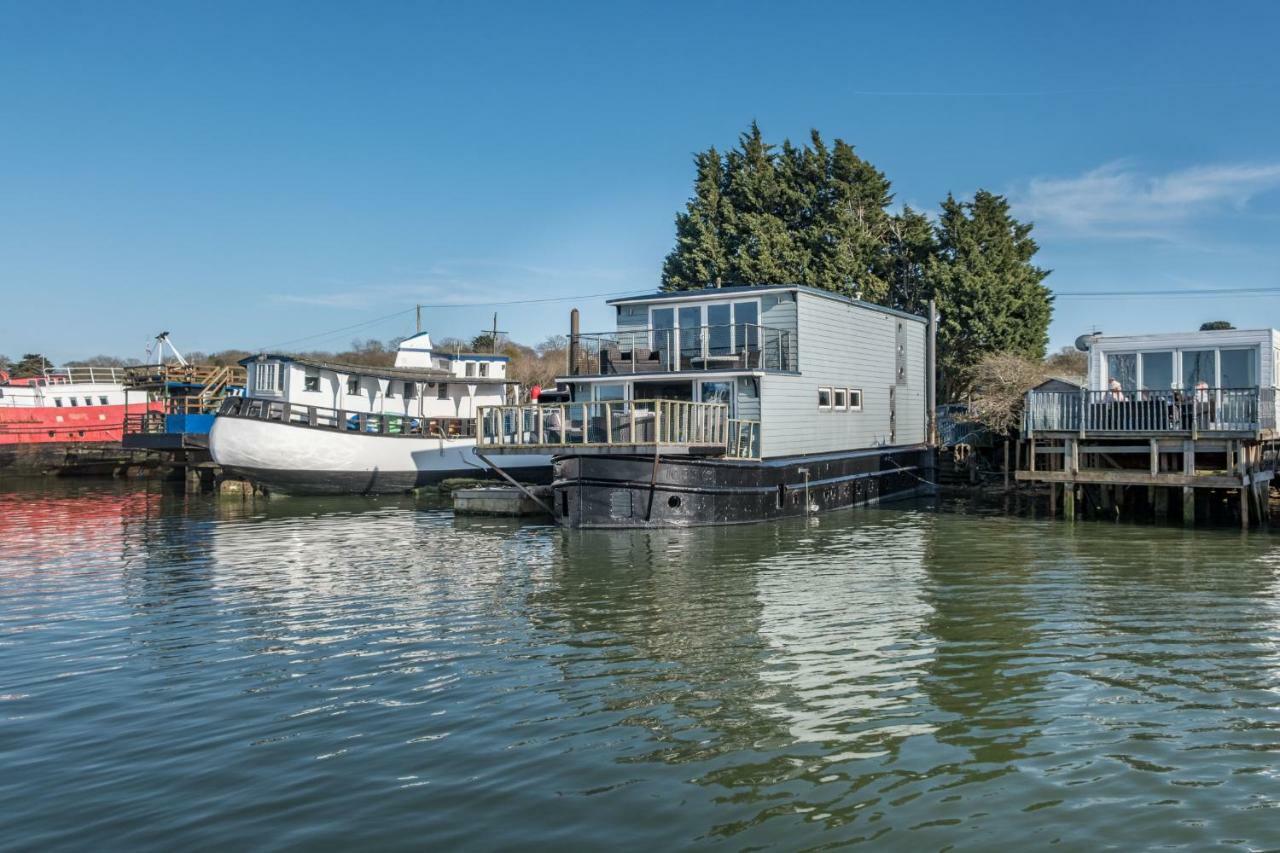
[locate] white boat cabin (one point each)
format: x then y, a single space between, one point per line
1181 361
423 383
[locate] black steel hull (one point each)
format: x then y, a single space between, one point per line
628 491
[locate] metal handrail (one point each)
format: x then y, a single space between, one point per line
734 346
82 374
342 420
618 423
1201 410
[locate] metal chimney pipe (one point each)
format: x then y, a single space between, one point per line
931 380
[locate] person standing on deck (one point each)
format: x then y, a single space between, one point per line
1115 392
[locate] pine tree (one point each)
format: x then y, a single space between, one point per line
991 297
762 250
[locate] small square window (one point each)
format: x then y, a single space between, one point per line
102 401
471 368
442 392
57 401
311 382
410 391
841 399
72 400
824 398
484 368
353 385
88 401
855 400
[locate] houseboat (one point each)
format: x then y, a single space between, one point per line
731 405
306 426
68 419
1165 423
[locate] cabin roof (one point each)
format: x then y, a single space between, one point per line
740 289
411 374
1174 337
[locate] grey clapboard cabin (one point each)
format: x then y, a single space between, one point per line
731 405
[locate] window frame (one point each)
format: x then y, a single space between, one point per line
353 386
850 393
311 377
735 346
827 389
840 399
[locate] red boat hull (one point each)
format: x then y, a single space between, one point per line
47 440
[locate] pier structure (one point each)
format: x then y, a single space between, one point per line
1169 424
189 396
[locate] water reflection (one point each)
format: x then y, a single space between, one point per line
180 668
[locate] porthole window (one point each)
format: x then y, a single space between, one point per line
674 501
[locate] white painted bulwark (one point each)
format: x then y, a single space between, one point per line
302 426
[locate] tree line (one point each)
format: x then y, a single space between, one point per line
822 216
527 365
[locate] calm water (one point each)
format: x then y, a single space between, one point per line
181 673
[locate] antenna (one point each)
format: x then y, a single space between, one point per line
1084 341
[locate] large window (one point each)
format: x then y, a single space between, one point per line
311 380
718 392
718 328
610 391
1199 366
1123 367
1157 371
1239 368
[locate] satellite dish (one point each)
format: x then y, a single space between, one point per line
1082 342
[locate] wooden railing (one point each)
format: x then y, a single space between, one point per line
340 420
619 423
1206 410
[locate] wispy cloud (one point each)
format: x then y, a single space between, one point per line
1118 200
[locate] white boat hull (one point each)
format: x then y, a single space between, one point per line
297 459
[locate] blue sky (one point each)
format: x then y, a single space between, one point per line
249 174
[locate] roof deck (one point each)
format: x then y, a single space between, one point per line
744 347
1226 412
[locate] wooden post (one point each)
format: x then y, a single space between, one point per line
1244 507
1053 499
1155 457
1162 503
1188 505
1069 502
1006 464
1031 456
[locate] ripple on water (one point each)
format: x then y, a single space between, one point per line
183 671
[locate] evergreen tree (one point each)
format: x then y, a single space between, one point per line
1216 326
31 364
762 250
904 264
699 258
991 297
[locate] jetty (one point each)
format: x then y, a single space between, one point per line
1168 426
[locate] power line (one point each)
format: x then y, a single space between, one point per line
1188 292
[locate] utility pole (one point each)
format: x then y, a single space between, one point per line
418 314
494 332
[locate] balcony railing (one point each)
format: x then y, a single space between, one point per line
340 420
741 346
619 425
1207 410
